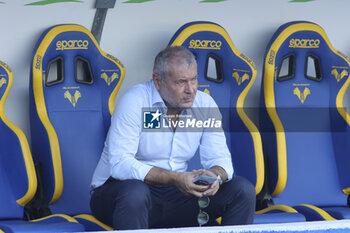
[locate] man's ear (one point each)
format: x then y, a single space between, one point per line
156 81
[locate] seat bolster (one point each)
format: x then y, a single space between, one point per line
55 218
338 212
4 229
313 213
278 214
53 223
91 223
277 208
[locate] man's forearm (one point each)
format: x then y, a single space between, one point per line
158 176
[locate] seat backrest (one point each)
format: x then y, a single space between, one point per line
227 75
18 181
303 116
73 85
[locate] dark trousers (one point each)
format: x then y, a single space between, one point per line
132 204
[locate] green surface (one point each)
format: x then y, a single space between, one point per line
301 0
137 1
46 2
213 1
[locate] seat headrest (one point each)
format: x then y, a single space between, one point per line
301 60
226 75
68 61
219 62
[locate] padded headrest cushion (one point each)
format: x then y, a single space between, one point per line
69 61
209 42
301 55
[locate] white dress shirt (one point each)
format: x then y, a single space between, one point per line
130 151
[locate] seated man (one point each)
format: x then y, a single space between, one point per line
141 180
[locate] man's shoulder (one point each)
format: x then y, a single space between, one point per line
138 93
140 90
204 100
134 99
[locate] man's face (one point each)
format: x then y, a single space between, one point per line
179 88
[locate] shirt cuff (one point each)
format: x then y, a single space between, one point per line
141 170
130 169
228 169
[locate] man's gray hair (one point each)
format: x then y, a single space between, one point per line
176 54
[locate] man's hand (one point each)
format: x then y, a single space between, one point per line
185 184
214 187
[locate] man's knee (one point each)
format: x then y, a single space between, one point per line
134 195
243 188
240 194
132 205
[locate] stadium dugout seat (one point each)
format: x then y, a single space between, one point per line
304 125
73 85
227 75
18 180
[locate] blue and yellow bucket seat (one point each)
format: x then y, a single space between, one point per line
227 75
73 85
304 123
18 178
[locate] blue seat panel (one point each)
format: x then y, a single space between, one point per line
18 180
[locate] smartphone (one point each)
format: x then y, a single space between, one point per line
204 180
